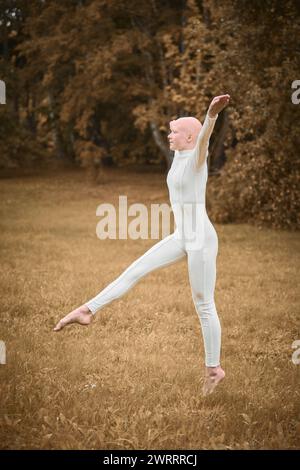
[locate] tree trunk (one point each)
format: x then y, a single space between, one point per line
30 113
160 142
216 159
150 78
57 137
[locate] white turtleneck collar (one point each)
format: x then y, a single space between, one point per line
183 153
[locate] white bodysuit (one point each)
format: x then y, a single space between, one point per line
194 238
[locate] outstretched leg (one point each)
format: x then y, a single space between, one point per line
167 251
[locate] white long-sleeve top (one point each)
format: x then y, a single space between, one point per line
186 182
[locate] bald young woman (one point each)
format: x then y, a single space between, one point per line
194 239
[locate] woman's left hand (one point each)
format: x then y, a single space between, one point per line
217 104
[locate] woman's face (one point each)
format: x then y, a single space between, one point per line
177 136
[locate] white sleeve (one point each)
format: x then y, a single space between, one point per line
201 148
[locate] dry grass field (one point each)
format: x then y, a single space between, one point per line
132 379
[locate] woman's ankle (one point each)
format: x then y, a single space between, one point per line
213 370
84 308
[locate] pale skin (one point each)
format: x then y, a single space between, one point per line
183 135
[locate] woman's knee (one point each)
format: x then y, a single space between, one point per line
204 305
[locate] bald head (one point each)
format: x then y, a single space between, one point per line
189 127
189 124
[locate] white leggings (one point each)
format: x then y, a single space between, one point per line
202 277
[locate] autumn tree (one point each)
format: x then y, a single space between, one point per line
100 79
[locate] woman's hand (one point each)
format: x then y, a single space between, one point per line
217 104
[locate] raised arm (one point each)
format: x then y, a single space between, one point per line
202 143
201 148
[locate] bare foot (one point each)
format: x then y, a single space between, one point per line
213 377
81 315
